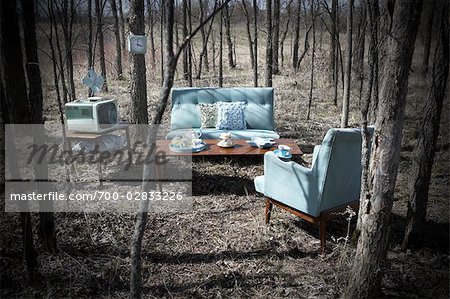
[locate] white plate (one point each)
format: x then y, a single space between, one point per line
194 149
223 145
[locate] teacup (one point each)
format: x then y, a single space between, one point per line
284 150
196 141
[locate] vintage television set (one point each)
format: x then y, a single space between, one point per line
93 115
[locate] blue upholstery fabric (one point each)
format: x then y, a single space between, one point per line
211 133
333 180
258 111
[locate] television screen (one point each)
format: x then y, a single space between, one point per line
107 115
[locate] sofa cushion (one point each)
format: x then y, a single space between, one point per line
208 115
235 134
230 116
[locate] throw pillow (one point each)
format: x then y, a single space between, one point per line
208 115
230 116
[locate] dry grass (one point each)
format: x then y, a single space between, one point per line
222 248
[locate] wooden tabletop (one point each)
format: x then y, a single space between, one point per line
240 148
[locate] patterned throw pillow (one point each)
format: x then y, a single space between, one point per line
231 116
208 115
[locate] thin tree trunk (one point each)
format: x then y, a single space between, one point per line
313 54
276 35
249 34
296 36
161 40
335 48
284 34
186 50
204 53
189 46
35 96
118 42
333 15
101 41
122 24
149 169
90 47
429 8
227 22
365 279
255 28
360 51
269 47
221 50
373 12
424 151
151 24
348 64
138 88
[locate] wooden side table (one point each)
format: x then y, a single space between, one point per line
95 139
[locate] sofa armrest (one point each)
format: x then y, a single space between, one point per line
315 153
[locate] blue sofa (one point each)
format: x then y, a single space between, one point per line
258 112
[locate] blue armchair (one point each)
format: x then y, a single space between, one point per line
331 184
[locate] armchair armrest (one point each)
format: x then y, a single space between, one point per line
290 183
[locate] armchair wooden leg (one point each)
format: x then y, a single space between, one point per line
269 206
323 233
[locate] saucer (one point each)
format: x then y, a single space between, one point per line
278 153
221 144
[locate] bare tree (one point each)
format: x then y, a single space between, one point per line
227 23
151 25
205 38
376 207
35 96
424 151
148 172
313 54
255 28
428 12
296 36
138 88
90 51
276 35
221 49
348 64
117 37
249 33
269 47
101 40
373 13
122 24
285 32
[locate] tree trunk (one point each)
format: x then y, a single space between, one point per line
189 46
269 47
122 25
249 34
46 223
313 54
276 35
101 41
360 51
428 12
296 36
284 34
204 52
12 74
333 15
161 40
221 50
255 28
227 23
373 12
186 50
90 50
365 279
148 171
348 64
336 47
424 151
151 25
118 42
138 88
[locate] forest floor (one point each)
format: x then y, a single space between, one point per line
222 248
